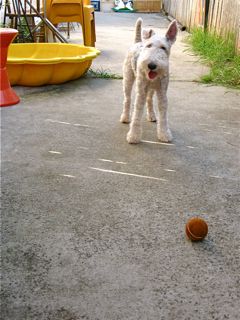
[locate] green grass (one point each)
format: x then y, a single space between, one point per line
220 55
103 74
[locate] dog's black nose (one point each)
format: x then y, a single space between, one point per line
152 66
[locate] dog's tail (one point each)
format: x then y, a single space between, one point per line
138 31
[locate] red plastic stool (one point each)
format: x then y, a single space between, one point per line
7 96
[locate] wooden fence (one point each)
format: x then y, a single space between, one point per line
219 16
224 17
147 6
189 13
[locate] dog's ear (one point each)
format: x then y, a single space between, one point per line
172 32
147 33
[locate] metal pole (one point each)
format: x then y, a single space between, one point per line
45 16
48 23
25 17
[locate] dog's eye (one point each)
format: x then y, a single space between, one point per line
149 45
164 48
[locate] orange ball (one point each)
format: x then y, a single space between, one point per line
196 229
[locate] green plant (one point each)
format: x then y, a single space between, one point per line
24 31
220 55
103 74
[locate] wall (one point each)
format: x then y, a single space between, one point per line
223 15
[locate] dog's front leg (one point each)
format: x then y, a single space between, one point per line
135 132
163 131
128 81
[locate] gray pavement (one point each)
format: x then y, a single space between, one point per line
92 227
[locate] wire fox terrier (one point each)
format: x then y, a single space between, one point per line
148 62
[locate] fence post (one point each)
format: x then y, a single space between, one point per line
207 2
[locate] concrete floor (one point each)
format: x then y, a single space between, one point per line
92 227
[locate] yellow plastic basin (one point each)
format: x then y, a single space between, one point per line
37 64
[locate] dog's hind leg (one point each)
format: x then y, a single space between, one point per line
163 131
150 110
128 81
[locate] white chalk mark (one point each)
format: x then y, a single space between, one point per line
169 170
68 123
105 160
82 125
208 130
231 121
216 177
191 147
67 175
162 143
227 132
85 148
128 174
56 121
55 152
63 122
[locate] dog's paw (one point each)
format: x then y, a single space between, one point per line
125 118
134 136
151 117
165 136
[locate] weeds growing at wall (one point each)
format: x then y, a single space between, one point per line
220 55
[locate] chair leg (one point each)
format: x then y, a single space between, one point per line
68 30
89 35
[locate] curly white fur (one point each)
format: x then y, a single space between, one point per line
147 62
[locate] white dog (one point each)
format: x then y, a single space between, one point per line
148 62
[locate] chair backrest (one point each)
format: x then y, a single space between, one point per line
58 11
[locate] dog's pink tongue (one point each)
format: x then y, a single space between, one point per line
152 74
